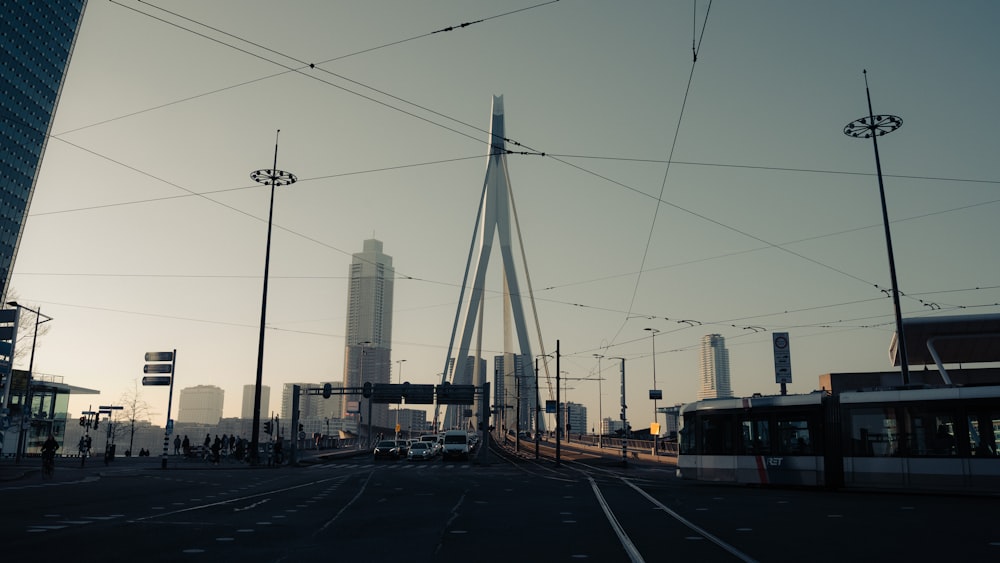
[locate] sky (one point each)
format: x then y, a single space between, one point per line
716 195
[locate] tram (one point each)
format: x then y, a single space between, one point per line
918 437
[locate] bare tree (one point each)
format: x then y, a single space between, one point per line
135 409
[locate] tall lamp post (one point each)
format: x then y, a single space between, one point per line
624 419
26 409
655 417
538 406
875 126
558 409
400 380
600 415
269 177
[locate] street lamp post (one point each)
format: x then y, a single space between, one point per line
566 409
538 407
600 415
26 407
624 419
558 408
517 414
655 416
875 126
269 177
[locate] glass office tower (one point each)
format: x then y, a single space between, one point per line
36 41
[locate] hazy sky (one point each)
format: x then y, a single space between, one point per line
147 234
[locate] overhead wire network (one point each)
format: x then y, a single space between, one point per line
659 199
696 46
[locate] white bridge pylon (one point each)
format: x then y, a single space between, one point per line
493 220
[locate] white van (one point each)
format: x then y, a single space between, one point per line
456 444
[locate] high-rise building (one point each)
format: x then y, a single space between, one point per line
713 366
201 404
246 413
368 344
35 49
574 419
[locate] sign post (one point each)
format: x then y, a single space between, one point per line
782 360
159 380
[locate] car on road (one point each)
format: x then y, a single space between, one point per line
386 449
433 440
420 451
456 444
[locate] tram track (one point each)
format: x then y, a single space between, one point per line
621 498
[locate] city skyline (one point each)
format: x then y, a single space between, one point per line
653 191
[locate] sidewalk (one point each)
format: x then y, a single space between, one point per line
68 468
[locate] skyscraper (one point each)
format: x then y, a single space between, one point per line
35 50
368 344
714 368
201 404
265 401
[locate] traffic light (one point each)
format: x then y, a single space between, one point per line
327 390
366 392
267 427
83 421
301 427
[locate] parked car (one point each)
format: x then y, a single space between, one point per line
386 449
420 451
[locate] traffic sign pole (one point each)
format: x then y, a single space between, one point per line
170 400
160 380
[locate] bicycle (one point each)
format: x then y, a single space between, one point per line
48 464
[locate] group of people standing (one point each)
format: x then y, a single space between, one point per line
232 447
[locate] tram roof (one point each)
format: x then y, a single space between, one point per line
955 339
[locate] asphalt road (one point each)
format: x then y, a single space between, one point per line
359 510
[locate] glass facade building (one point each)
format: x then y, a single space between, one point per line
36 42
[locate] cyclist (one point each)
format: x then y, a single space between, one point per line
49 455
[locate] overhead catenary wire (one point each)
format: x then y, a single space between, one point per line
696 46
695 50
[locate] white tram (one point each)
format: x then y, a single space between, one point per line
927 438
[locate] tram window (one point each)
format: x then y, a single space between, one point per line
687 440
984 427
756 436
717 435
932 433
794 437
874 431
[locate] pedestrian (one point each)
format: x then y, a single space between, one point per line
216 448
186 446
225 444
239 449
207 446
177 444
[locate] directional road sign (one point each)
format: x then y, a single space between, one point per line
156 380
157 368
159 356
